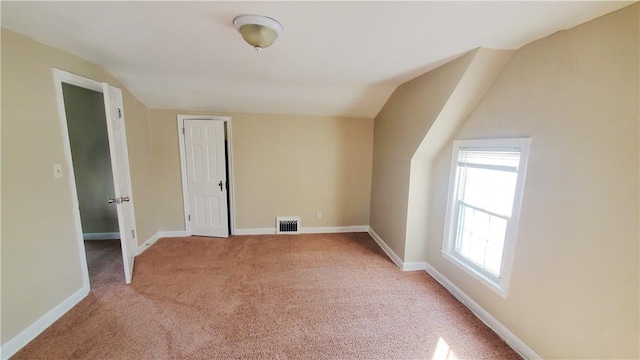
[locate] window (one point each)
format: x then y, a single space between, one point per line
485 191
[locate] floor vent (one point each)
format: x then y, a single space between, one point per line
287 225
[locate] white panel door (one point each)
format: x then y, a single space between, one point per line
206 177
121 176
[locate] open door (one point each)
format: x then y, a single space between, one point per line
121 177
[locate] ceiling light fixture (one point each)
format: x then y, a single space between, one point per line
257 30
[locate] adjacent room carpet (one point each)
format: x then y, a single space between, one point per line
319 296
104 259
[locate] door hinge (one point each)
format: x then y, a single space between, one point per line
133 233
119 113
182 131
189 217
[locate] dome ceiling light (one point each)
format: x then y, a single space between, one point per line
257 30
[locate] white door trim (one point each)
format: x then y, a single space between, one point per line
60 77
183 167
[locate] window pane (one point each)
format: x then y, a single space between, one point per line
480 237
492 190
482 216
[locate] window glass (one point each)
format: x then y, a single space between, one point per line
484 189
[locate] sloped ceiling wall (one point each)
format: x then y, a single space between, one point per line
417 120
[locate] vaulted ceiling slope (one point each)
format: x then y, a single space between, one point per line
333 58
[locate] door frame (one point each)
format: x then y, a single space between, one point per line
183 168
60 77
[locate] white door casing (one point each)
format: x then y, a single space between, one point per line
206 177
121 176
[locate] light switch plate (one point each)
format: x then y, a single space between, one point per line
57 171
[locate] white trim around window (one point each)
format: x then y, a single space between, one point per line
458 179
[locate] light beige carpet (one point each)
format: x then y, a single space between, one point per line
321 296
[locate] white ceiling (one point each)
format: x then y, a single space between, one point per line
333 58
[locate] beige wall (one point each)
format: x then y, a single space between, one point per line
163 127
399 129
40 255
477 78
574 284
283 165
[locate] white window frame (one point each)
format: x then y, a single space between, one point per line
499 284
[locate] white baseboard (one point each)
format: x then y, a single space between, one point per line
411 266
387 250
332 230
304 230
256 231
510 338
101 236
144 246
179 233
25 336
414 266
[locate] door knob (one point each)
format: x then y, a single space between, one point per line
220 184
119 200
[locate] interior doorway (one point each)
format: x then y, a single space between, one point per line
89 141
99 189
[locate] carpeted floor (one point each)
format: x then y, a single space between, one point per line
104 259
320 296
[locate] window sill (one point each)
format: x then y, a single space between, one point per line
490 283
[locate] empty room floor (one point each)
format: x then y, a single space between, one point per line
317 296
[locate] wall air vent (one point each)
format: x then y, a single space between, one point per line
288 225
